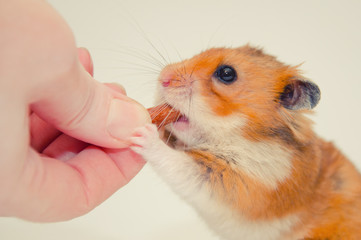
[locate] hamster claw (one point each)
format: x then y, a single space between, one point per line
144 138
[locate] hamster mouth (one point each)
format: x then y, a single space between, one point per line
182 123
165 114
183 118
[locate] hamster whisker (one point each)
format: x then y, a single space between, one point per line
181 72
138 54
184 70
177 72
188 114
141 68
194 68
166 52
146 64
147 39
170 135
175 80
171 132
178 53
164 120
157 51
154 114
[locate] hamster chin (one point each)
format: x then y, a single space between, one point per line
186 133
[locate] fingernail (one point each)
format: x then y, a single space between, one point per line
124 116
85 58
117 87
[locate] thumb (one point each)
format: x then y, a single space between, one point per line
85 60
85 109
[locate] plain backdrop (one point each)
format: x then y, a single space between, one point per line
125 38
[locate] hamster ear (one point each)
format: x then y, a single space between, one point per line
300 94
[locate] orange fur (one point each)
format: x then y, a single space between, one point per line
324 188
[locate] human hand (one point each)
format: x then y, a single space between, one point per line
63 136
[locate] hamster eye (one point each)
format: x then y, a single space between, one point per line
226 74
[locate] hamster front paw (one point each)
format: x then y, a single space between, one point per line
145 141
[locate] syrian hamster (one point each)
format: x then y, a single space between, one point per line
243 153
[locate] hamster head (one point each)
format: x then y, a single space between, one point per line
240 91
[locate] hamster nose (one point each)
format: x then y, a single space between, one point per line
171 79
166 83
167 79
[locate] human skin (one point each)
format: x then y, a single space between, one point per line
63 135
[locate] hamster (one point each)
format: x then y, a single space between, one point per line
243 153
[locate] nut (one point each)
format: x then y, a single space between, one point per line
163 114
